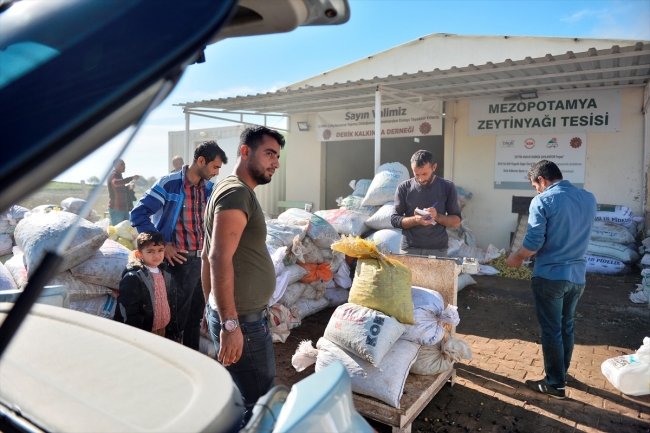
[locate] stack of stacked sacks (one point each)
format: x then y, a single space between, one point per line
8 222
612 249
92 264
309 275
368 199
370 334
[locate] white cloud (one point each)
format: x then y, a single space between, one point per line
585 13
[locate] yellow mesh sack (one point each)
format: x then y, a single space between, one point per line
380 283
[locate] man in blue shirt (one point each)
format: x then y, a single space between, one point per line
559 225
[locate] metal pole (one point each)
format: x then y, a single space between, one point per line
377 128
186 148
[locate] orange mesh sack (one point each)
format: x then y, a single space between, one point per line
316 272
380 283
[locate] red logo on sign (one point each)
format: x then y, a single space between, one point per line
575 142
327 134
425 128
529 143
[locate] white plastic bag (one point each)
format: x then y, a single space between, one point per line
353 202
630 374
465 280
305 356
319 230
360 187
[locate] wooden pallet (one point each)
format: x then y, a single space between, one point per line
440 275
418 393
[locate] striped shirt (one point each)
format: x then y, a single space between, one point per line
189 226
161 313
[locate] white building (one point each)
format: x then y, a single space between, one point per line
580 102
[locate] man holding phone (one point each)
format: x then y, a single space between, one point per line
425 206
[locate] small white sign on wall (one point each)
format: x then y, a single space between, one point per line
516 153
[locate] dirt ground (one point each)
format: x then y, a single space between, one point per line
498 321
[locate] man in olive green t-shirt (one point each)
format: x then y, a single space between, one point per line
237 273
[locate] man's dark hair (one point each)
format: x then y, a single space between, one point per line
547 169
147 238
253 136
209 150
422 157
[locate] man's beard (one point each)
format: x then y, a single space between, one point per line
257 172
429 181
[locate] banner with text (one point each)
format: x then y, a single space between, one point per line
516 153
568 112
396 121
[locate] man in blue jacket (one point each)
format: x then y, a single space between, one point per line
174 206
559 225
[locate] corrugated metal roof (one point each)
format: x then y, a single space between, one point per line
617 67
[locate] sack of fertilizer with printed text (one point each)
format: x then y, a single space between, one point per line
353 202
610 232
621 215
606 265
384 184
363 331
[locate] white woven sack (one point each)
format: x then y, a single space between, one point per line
465 280
43 232
6 279
381 219
384 184
441 357
389 241
363 331
78 290
610 232
353 202
292 294
311 253
18 270
73 205
104 266
6 244
10 219
360 187
314 290
319 230
427 299
102 306
386 382
621 215
345 222
613 250
606 265
337 296
295 273
426 330
281 233
307 307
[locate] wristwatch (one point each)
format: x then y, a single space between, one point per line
229 325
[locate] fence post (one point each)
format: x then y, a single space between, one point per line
84 189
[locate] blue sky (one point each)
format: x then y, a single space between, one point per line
251 65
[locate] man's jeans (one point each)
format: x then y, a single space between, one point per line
117 216
254 373
186 303
555 305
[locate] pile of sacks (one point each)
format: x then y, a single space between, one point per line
92 264
309 275
386 330
612 246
